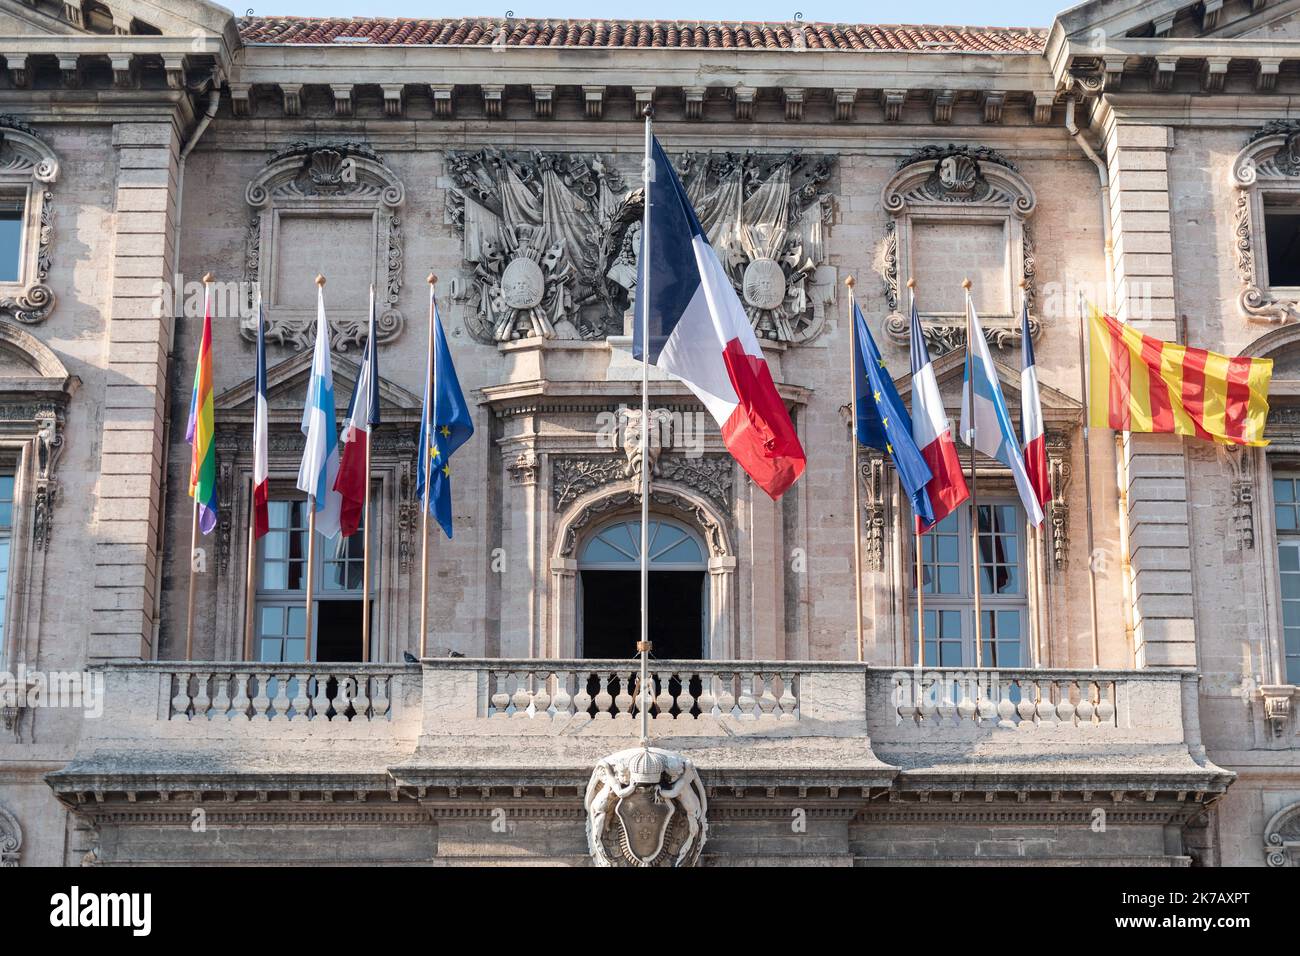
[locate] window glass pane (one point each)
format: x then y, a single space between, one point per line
1293 669
272 649
11 241
272 621
1283 489
295 650
1288 557
298 621
1285 518
1282 239
275 576
1290 586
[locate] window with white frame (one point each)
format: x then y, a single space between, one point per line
1286 521
948 587
337 567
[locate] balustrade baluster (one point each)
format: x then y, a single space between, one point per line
623 700
241 702
746 699
361 703
663 701
181 699
221 696
581 696
380 702
1006 708
522 697
604 700
1106 703
318 688
1043 705
767 699
541 696
685 699
262 701
202 700
1065 705
1087 708
500 697
562 700
708 699
726 694
300 701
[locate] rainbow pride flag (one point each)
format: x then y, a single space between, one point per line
203 456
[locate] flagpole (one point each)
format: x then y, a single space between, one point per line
853 463
250 581
916 529
189 611
643 646
311 537
431 396
974 483
1035 617
1087 477
194 521
365 513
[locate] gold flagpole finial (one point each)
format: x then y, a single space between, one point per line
850 282
1024 284
965 284
911 283
320 280
433 279
208 278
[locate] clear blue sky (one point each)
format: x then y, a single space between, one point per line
1034 13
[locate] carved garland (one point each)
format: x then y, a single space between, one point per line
573 476
1268 165
325 181
957 184
29 165
666 497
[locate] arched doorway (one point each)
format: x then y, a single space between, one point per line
609 591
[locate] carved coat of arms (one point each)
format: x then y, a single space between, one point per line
646 807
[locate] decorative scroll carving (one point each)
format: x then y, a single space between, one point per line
11 839
523 470
958 184
1241 465
408 508
325 181
27 163
664 496
646 807
572 476
1269 163
545 236
1282 837
871 472
1058 476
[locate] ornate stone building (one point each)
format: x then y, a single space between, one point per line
1144 154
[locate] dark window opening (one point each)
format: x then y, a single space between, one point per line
611 614
338 631
1282 239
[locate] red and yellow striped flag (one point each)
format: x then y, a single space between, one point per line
1143 384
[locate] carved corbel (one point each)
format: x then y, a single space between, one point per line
1058 474
1241 467
1277 706
523 470
16 64
49 449
871 473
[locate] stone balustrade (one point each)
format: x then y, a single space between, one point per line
1009 699
324 693
609 690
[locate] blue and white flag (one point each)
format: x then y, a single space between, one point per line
320 456
987 427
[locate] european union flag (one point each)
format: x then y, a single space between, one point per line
882 420
450 418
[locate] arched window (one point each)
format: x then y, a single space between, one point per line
609 591
672 547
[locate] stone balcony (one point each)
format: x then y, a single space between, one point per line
451 726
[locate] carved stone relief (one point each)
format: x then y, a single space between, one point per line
551 239
1268 167
1241 465
573 476
1058 476
1282 837
29 167
325 181
871 472
11 839
958 184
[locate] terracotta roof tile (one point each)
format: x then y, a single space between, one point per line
693 34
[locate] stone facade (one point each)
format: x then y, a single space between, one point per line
1128 158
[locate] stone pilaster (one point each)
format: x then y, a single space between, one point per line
1158 515
139 332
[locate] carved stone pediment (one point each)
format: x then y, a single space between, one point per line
955 189
286 389
28 166
325 185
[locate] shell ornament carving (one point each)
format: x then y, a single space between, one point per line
646 807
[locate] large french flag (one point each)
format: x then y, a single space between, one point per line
700 333
261 434
947 487
1033 440
363 413
985 421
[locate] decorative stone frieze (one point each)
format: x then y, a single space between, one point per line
324 182
871 472
28 165
1058 476
959 185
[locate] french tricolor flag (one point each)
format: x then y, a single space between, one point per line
261 430
947 487
700 333
363 413
1034 441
